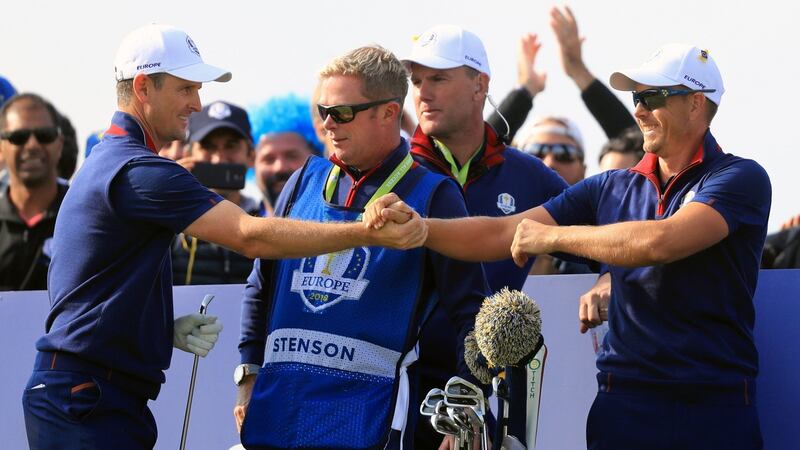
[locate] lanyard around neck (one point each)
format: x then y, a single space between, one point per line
397 174
459 174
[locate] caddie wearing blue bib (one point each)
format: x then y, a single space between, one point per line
336 333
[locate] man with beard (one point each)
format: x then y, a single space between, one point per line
285 138
31 144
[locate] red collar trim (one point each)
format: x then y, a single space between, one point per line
116 130
422 146
649 163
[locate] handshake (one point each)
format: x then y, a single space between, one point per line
394 224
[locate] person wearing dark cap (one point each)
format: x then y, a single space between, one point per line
110 331
682 234
220 133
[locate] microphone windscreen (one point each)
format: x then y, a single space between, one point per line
476 362
507 328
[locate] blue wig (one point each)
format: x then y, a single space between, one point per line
289 113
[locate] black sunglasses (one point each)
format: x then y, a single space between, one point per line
564 153
656 98
346 113
44 135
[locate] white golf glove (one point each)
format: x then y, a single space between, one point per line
196 333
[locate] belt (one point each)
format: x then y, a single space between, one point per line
739 392
71 363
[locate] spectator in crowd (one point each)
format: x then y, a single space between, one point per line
351 300
623 151
557 141
220 133
31 143
678 366
175 150
285 138
449 91
110 331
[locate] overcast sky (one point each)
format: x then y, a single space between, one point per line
65 51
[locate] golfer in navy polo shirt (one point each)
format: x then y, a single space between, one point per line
682 233
110 332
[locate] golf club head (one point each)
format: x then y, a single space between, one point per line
459 387
444 425
460 418
428 406
440 408
475 417
204 305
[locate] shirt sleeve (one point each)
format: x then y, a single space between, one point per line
515 108
256 304
607 109
257 301
160 191
460 286
741 192
577 205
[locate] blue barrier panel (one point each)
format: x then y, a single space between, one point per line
568 388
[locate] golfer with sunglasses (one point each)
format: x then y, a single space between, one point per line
336 333
682 233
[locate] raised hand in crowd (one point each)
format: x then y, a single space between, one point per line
527 76
564 26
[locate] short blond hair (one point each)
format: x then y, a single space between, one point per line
383 75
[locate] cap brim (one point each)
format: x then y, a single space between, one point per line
201 73
200 134
628 79
433 61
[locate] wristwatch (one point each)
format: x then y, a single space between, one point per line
243 370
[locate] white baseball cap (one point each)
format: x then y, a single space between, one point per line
671 65
158 48
449 46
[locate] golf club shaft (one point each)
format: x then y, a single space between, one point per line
203 308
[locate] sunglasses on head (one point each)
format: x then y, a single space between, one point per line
44 135
346 113
656 98
564 153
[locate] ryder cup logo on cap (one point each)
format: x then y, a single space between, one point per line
449 46
158 48
674 64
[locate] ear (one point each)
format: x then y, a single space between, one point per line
482 85
698 107
392 111
142 87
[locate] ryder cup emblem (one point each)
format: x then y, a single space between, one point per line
506 203
191 45
219 111
325 280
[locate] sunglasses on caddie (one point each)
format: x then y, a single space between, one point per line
656 98
346 113
44 135
564 153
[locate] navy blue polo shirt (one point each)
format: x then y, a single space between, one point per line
690 320
501 181
110 279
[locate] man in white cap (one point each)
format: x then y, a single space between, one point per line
682 233
110 331
450 74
